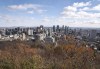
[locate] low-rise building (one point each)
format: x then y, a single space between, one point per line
49 39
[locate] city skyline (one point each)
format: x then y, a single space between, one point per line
76 13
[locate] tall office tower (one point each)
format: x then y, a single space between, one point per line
30 31
58 28
3 32
41 27
17 29
49 32
66 30
46 32
54 28
25 31
38 29
62 29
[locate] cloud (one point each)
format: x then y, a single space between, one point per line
24 6
70 8
97 7
81 14
74 12
82 4
85 9
6 18
30 12
76 22
75 6
9 20
46 19
34 8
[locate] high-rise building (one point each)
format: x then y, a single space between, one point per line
54 28
58 28
38 29
41 27
30 31
62 29
49 32
66 30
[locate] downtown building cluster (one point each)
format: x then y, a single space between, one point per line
36 33
51 34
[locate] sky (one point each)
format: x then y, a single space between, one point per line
30 13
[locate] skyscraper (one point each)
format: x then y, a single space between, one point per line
58 28
54 28
63 29
41 27
49 32
66 30
30 31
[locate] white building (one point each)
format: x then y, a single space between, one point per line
30 31
16 36
41 36
23 36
